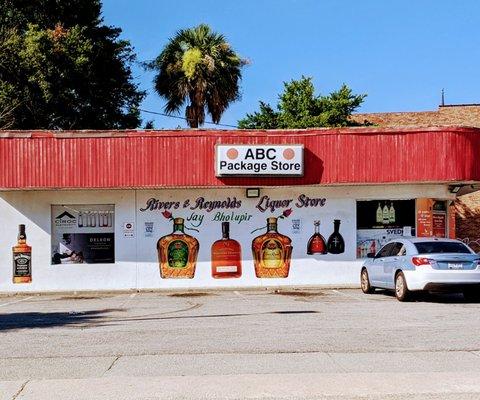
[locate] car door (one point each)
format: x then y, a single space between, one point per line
391 263
376 267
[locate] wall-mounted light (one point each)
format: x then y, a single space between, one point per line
252 193
454 189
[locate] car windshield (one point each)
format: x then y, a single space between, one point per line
441 247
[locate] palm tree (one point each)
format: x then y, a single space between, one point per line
198 68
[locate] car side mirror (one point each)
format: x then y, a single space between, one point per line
371 255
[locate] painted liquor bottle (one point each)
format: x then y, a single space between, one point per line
177 253
336 243
316 243
272 252
22 258
226 256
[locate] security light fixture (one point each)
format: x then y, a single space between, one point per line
454 189
252 193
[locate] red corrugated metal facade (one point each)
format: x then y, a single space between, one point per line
138 159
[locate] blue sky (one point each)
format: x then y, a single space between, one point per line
401 53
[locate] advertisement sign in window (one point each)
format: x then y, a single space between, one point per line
431 218
425 217
83 234
451 221
379 221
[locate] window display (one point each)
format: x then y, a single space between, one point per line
379 221
83 234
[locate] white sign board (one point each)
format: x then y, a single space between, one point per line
128 229
259 160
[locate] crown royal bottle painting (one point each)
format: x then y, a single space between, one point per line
177 252
272 252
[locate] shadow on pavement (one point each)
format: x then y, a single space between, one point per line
154 318
100 318
431 297
50 319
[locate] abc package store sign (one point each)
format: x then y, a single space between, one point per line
259 160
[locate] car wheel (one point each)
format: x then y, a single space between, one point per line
472 295
401 290
365 282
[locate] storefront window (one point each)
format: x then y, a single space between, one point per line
83 234
379 221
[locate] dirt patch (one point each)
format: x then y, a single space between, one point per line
190 294
79 298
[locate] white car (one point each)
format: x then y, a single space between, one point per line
414 264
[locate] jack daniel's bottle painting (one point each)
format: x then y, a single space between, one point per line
22 258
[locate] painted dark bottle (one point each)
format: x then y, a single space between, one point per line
336 243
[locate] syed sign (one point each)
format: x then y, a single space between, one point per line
259 160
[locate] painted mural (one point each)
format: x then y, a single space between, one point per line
271 236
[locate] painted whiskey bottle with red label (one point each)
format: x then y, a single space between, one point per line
226 256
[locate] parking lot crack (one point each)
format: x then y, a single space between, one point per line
112 364
20 390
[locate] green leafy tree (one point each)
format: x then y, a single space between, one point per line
299 107
63 69
149 125
198 69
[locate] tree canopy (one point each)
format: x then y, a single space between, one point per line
200 71
299 107
62 68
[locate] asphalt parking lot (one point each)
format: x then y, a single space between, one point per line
291 344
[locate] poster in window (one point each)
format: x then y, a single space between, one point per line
424 217
432 218
451 221
83 234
